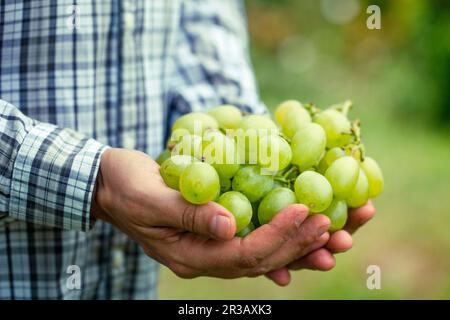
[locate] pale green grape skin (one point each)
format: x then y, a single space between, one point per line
329 157
360 193
274 153
275 201
374 176
163 156
308 145
239 206
337 213
343 175
250 130
190 120
189 145
172 168
249 181
257 121
284 108
337 127
246 231
227 116
313 190
294 120
199 183
221 152
225 184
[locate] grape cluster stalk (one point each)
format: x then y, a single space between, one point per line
256 165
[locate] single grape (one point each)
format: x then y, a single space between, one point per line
227 116
374 176
284 108
329 157
337 213
199 183
193 123
294 120
221 152
252 183
313 190
360 193
248 134
258 122
247 230
225 184
274 153
308 145
172 168
337 127
275 201
190 145
343 175
239 206
163 156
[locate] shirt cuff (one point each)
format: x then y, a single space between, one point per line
54 177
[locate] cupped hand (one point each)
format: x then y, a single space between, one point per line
196 240
321 252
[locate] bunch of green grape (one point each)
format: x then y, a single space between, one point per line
255 166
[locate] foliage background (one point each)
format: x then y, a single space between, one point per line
398 78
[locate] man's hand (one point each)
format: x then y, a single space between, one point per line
321 252
196 240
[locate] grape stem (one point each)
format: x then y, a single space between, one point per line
312 109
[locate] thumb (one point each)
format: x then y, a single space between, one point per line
211 219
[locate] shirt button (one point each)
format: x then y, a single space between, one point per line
118 259
129 142
129 20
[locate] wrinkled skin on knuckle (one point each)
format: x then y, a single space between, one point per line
249 260
188 217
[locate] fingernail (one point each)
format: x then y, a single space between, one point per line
220 226
323 229
298 222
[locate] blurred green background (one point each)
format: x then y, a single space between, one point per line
398 78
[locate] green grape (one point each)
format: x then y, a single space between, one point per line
221 152
199 183
190 145
247 136
313 190
163 156
284 108
374 176
247 230
225 184
294 120
252 183
329 157
274 153
193 123
360 193
172 168
275 201
337 213
227 116
239 206
337 127
258 121
343 175
308 145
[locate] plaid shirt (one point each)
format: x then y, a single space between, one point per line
76 77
